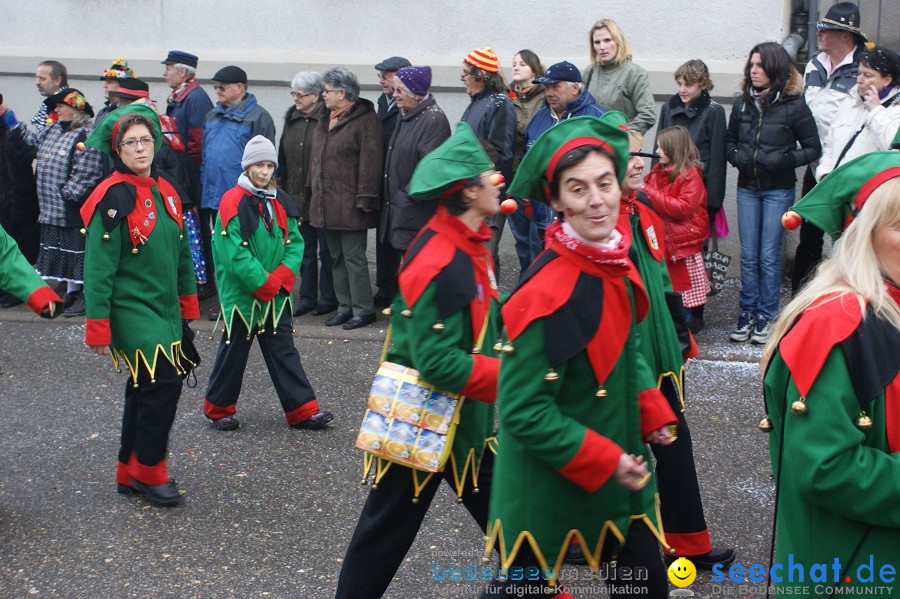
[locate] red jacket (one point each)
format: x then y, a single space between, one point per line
682 206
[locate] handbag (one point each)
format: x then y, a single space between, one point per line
409 421
716 264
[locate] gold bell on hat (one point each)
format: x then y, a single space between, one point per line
437 327
551 376
863 422
798 408
765 425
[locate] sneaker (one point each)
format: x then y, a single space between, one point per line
77 308
744 327
761 334
227 423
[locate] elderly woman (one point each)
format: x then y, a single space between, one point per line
615 81
139 286
344 178
422 127
491 116
831 382
294 154
65 177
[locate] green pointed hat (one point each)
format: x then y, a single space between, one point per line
836 200
532 180
103 136
457 160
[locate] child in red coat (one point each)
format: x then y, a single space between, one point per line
676 191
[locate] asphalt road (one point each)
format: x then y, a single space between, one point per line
269 510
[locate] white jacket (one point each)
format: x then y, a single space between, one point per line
879 128
825 92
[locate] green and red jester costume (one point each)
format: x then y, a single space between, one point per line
18 277
575 393
832 391
139 286
444 322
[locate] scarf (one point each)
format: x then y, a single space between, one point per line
262 197
614 252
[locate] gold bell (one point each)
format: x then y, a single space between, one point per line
227 341
134 386
863 422
181 237
83 231
671 551
459 500
364 482
244 243
407 313
415 500
601 392
476 490
105 236
551 376
498 347
224 233
288 242
387 311
152 381
765 425
508 349
437 327
798 408
134 250
374 486
476 349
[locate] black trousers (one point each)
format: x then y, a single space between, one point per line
147 419
282 361
316 283
681 507
387 264
389 523
641 551
809 250
206 224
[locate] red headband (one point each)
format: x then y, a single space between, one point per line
575 142
866 190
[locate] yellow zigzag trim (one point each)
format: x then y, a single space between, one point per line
173 356
495 537
258 315
677 380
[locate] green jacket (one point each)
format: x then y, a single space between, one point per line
138 273
837 484
574 395
625 88
255 267
447 278
18 277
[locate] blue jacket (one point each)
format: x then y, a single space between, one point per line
583 105
189 109
227 131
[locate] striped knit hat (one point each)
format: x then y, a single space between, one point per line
484 59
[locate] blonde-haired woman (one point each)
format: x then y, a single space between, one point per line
831 380
616 82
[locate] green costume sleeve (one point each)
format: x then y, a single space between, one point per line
439 355
828 460
530 412
18 277
237 261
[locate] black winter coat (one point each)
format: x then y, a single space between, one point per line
764 146
418 132
705 121
493 117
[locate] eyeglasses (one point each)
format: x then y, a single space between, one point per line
221 88
331 91
466 74
133 143
300 95
384 75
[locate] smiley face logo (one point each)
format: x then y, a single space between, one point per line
682 572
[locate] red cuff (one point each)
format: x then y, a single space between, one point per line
149 475
689 543
190 306
693 351
286 275
482 383
298 415
655 411
41 297
97 331
211 410
594 462
269 289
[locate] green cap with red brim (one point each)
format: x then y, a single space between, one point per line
538 166
103 136
836 200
